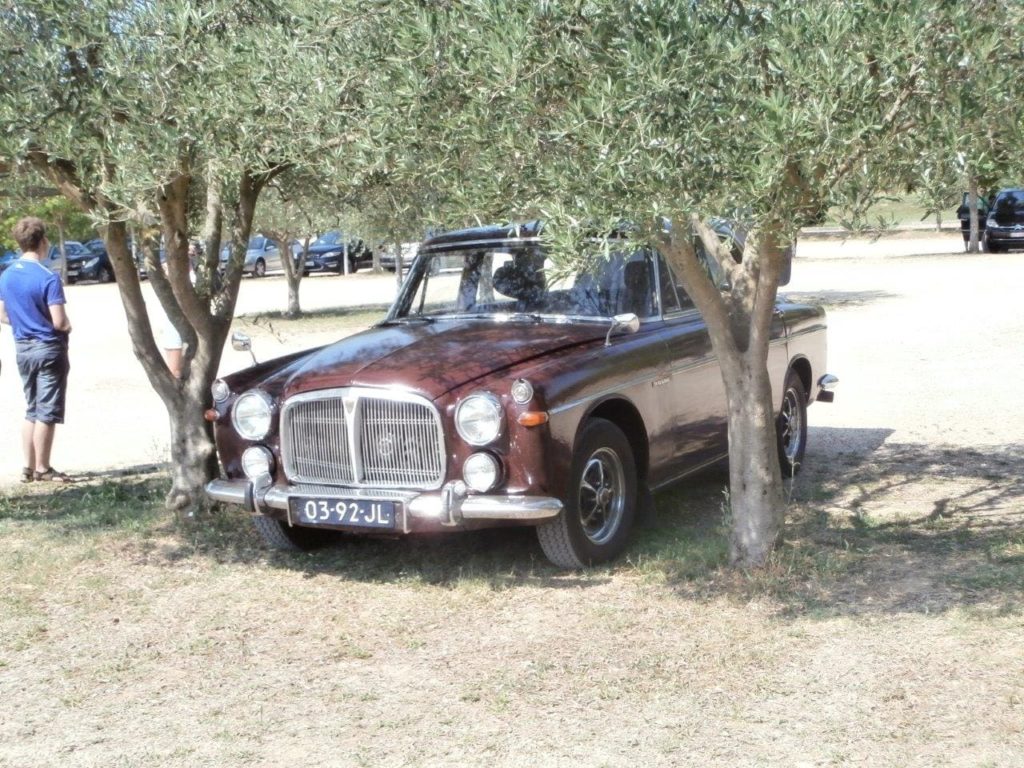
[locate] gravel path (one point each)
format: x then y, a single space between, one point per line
924 338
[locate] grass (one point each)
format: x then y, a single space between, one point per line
157 641
891 211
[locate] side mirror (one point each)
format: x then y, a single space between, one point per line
627 322
240 342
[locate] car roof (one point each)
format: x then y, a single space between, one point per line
490 235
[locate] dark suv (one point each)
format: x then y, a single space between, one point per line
1004 225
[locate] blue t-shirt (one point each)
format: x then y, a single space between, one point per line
27 289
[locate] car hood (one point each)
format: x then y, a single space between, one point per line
431 359
315 250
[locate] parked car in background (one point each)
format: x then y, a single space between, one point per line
325 253
963 213
8 258
499 391
73 250
262 256
1004 225
95 265
388 258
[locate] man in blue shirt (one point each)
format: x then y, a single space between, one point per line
32 303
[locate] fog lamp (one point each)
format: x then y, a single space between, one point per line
481 472
257 462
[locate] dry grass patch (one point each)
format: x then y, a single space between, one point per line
159 642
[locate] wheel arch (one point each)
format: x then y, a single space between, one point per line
626 417
802 367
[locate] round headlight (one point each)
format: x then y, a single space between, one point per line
481 472
478 419
220 391
252 414
522 391
257 462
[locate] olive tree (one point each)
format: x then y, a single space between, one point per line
667 115
971 132
180 113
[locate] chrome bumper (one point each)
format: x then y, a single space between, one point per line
449 506
826 388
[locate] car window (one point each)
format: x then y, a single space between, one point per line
504 281
672 295
328 238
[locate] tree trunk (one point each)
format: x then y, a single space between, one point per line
293 272
193 456
756 501
739 321
972 208
63 269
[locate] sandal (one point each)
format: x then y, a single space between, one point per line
51 474
27 475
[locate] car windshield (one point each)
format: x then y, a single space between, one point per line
328 238
503 282
1010 202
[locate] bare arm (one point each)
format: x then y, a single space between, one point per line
60 318
3 314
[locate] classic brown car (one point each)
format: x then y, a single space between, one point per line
500 391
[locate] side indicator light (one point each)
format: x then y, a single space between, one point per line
211 415
533 418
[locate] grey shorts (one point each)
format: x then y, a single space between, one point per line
44 367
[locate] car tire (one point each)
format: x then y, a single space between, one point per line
105 275
259 269
277 534
989 247
791 425
595 524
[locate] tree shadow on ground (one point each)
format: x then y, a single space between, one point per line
837 299
877 528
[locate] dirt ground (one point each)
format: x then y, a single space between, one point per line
897 639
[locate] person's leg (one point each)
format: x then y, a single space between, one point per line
28 368
42 442
51 390
28 443
173 359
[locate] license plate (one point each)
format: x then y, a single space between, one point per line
1017 234
350 513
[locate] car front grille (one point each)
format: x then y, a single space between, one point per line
362 437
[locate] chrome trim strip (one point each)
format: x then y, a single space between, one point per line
231 492
461 244
620 388
807 331
420 505
510 508
687 472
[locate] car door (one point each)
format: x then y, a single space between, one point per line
272 256
695 385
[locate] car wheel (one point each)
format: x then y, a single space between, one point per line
259 269
105 275
353 266
277 534
989 247
595 523
791 425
